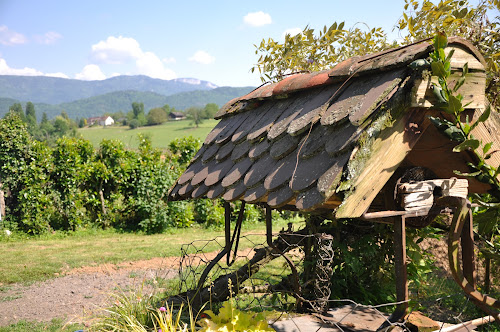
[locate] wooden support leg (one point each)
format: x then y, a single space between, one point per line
401 274
467 241
400 262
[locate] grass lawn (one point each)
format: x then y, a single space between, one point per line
28 260
161 135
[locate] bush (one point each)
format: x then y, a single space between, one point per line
209 212
184 148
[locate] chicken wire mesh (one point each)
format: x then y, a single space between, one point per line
259 278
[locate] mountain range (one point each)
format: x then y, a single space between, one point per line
94 98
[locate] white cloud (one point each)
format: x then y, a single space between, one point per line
169 60
202 57
292 32
26 71
121 50
9 37
149 64
48 38
91 73
116 50
257 19
58 74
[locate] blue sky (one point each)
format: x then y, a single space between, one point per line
208 40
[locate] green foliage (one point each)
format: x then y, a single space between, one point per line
184 148
17 108
209 212
232 319
362 263
131 311
156 116
195 114
451 103
307 52
421 19
210 110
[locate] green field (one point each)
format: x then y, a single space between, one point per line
160 135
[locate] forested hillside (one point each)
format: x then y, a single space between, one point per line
55 90
121 100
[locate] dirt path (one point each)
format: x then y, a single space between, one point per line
79 291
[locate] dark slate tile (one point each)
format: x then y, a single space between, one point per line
173 192
254 194
240 150
327 183
281 124
237 172
235 192
215 191
381 85
199 191
217 130
202 174
348 102
210 153
280 197
186 190
224 151
314 142
266 121
198 154
190 172
259 171
256 114
218 172
258 149
341 137
282 172
309 199
312 109
283 146
309 170
227 133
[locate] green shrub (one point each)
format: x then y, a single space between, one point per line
231 319
184 148
209 212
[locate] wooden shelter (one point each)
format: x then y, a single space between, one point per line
335 141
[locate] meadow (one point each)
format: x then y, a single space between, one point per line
160 135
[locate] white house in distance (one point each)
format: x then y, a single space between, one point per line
101 120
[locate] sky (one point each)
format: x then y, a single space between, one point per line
209 40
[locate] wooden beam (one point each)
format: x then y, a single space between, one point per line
387 153
467 242
400 265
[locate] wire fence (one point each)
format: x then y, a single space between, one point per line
260 278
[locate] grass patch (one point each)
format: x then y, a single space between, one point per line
161 135
33 259
55 325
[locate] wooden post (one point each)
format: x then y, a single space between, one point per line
400 264
467 242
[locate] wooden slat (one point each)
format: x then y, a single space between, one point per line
489 131
472 90
388 151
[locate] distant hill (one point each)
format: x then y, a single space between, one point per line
55 90
121 101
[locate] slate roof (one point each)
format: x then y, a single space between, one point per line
286 144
